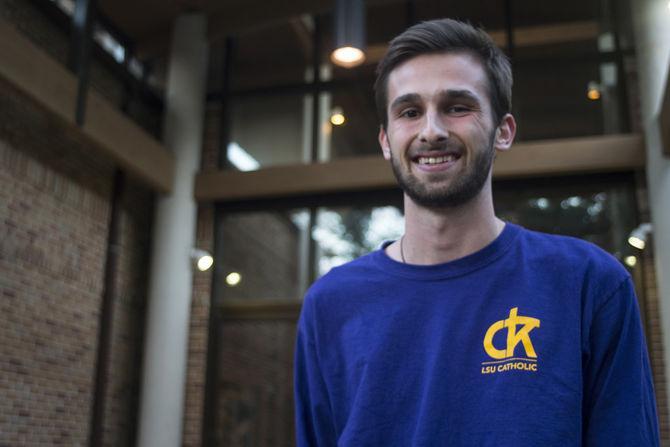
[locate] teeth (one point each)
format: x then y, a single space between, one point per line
436 160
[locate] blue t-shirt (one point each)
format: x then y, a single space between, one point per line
535 340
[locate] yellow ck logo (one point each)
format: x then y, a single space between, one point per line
513 336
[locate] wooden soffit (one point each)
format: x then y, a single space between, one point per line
50 85
609 153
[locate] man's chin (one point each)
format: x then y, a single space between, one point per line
435 200
444 194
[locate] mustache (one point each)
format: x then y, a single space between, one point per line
446 147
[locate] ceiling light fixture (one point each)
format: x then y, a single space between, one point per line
337 117
202 259
593 91
233 279
638 237
630 261
349 33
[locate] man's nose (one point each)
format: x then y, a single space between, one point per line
434 130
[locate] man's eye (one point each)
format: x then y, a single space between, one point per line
458 110
410 113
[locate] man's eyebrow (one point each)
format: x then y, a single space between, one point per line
405 99
450 94
460 94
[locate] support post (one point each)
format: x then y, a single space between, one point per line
104 348
171 277
80 52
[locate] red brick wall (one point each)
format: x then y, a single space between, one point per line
655 340
51 256
263 247
54 212
198 332
255 388
645 280
194 399
123 389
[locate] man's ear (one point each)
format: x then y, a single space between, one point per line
505 133
384 143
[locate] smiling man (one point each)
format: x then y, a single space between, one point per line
468 331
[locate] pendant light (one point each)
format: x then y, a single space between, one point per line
349 33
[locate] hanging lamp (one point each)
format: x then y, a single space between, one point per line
349 33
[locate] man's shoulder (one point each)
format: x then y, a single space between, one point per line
348 280
362 267
566 252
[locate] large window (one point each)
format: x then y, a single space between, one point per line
570 65
572 68
272 253
278 253
599 209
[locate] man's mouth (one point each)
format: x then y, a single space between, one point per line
436 160
423 160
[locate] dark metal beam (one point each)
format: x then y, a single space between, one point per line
64 23
316 131
103 360
348 84
509 28
130 89
622 82
80 52
225 117
283 89
410 12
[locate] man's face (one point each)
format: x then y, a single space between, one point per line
440 135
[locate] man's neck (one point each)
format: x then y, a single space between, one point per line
435 236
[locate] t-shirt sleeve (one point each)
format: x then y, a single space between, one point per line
314 421
619 406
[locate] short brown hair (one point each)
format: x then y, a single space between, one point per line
448 36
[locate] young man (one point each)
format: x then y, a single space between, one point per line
468 331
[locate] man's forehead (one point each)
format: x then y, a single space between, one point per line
438 73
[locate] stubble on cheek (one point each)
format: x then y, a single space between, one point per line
457 188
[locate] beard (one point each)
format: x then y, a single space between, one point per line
462 188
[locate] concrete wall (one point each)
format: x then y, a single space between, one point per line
651 21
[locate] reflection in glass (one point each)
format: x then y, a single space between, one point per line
255 388
602 212
551 93
268 130
277 254
261 256
240 158
358 134
344 234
